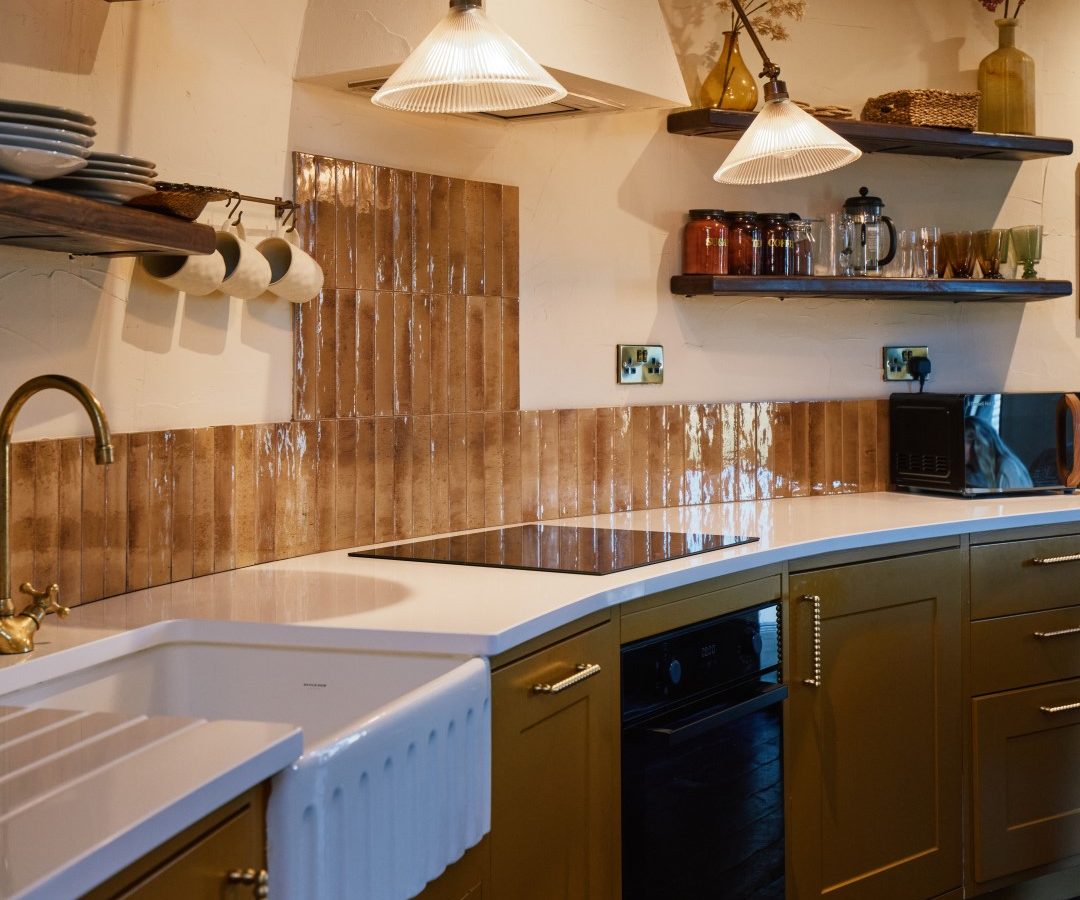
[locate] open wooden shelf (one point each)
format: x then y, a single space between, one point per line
954 289
871 137
52 220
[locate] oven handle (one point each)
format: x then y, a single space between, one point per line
766 694
1068 469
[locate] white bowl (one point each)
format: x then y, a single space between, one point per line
8 140
101 189
91 171
120 168
42 109
47 122
120 159
43 133
34 164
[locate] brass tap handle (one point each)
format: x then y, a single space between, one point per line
44 602
258 879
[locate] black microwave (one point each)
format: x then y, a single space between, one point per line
978 444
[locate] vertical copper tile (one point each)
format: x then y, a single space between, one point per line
138 498
161 507
420 446
850 463
326 219
364 228
326 484
385 347
346 354
882 476
456 235
458 469
439 238
304 194
675 455
422 233
440 474
474 237
345 486
246 515
605 460
384 479
712 452
799 479
834 414
326 363
818 446
365 481
403 478
224 498
439 343
530 465
365 354
306 442
203 503
658 464
694 439
402 187
764 458
22 518
622 453
511 466
510 241
640 482
183 497
69 564
588 501
116 518
459 363
746 452
384 229
779 460
868 450
420 374
305 359
493 240
511 342
494 377
475 360
729 452
494 512
475 494
345 200
287 524
403 352
549 464
93 525
266 478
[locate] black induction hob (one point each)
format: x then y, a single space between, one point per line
558 548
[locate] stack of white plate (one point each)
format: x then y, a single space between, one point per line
110 177
39 142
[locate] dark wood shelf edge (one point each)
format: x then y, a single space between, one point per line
955 290
873 137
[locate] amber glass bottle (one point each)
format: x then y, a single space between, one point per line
744 244
705 243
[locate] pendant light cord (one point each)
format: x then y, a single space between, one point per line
770 70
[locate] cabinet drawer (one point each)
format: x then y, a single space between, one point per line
1027 778
1032 648
1024 576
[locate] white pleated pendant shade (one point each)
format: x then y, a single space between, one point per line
468 64
783 143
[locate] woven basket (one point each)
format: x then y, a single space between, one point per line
184 201
931 109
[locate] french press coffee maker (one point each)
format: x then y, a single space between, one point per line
861 225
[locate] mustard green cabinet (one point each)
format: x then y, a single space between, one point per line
872 734
555 831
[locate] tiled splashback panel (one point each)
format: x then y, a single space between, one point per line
177 504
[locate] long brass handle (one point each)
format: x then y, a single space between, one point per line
815 680
1065 707
1055 560
583 671
1061 632
258 879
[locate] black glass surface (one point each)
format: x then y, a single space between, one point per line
558 548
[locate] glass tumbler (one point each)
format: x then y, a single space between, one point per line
960 252
1027 244
931 256
992 249
908 263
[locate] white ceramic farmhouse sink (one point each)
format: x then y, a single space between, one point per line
394 782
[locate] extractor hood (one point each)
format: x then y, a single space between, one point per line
609 54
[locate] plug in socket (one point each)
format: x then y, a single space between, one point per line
894 362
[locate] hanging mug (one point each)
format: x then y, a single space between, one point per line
247 272
294 275
196 275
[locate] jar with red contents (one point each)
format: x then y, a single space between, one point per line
744 244
705 243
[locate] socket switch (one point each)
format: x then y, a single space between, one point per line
894 362
640 364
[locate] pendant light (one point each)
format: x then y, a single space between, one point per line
468 64
783 142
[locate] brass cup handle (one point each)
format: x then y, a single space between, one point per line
583 671
1060 632
1065 707
814 680
44 602
1055 560
259 879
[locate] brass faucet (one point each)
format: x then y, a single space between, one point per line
17 629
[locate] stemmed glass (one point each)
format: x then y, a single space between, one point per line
992 249
1027 242
960 251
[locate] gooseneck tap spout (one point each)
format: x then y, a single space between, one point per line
17 629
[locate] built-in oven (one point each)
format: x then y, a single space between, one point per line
702 761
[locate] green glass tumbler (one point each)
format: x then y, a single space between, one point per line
1027 244
992 249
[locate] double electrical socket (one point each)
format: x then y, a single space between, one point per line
894 362
639 364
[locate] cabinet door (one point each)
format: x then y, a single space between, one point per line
555 774
872 744
1027 778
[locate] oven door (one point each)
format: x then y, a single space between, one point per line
703 799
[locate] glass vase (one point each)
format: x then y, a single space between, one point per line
730 85
1007 85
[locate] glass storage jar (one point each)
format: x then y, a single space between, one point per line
776 240
705 243
744 244
802 246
